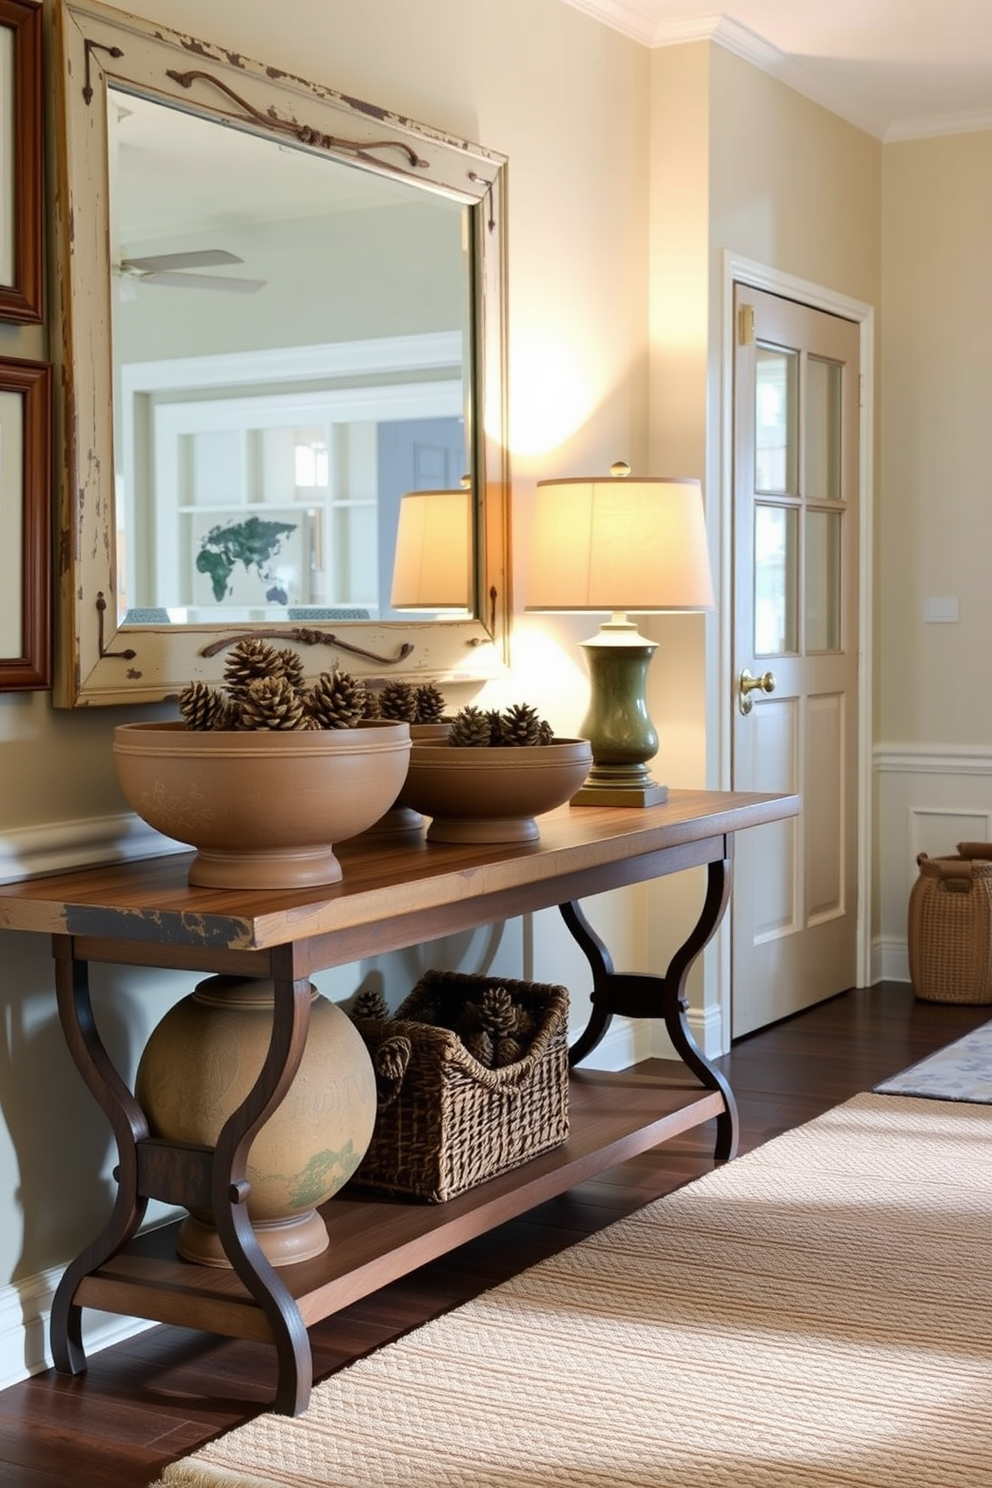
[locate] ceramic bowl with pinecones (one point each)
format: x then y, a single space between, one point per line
493 776
267 774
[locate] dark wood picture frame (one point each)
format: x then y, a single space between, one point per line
25 514
21 207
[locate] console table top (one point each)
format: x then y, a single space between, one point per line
151 900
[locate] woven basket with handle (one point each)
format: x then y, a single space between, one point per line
446 1122
950 926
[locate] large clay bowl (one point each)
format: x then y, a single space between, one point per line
264 809
492 795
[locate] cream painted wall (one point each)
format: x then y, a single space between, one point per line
936 518
934 704
566 99
792 185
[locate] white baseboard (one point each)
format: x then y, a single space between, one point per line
630 1040
57 846
626 1042
890 960
25 1308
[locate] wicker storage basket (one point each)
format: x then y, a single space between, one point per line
446 1122
950 926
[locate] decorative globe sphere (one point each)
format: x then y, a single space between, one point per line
199 1065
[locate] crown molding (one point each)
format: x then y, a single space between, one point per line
619 17
733 37
973 122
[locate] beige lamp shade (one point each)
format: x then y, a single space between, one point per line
619 544
432 569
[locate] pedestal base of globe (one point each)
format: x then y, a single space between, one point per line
199 1065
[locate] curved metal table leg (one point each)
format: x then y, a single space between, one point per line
226 1166
230 1188
633 995
129 1127
601 965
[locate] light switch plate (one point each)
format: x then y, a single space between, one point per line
942 610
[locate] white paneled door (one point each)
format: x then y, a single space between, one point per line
795 649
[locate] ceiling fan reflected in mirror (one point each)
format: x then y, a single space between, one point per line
170 269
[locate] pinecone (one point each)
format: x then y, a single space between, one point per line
547 733
248 660
271 703
497 1011
389 1061
521 725
480 1046
495 726
336 700
507 1051
370 707
469 728
371 1004
429 702
292 669
398 701
205 707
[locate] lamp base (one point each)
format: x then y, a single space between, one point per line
617 725
621 785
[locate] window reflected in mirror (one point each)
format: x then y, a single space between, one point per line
292 353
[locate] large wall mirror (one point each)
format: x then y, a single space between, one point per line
283 327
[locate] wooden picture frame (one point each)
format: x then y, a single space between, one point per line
21 152
25 525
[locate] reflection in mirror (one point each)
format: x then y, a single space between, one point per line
290 336
281 309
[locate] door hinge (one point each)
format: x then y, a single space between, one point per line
745 325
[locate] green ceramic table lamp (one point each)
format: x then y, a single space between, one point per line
619 544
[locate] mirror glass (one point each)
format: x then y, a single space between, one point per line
281 310
291 336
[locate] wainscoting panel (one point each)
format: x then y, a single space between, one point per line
928 800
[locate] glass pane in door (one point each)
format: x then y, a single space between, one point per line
775 588
823 580
822 428
776 461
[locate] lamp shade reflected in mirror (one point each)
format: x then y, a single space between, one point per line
432 569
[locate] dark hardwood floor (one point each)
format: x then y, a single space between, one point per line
158 1396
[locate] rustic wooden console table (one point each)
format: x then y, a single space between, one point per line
145 914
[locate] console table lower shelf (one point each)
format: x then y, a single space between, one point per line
374 1240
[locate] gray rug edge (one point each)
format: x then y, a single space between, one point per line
930 1077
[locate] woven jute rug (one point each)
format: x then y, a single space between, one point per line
816 1314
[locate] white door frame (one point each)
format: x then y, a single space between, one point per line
721 698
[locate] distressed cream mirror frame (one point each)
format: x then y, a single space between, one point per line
98 661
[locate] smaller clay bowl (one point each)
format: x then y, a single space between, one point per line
403 821
264 809
492 795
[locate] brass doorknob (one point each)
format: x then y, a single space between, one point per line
748 684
